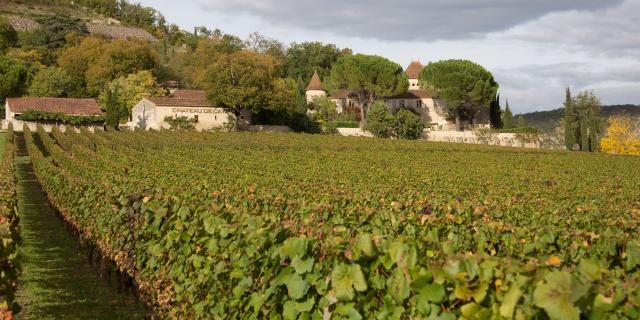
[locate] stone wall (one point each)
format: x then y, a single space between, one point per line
469 137
354 132
19 124
261 128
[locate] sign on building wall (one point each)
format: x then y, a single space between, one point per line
197 110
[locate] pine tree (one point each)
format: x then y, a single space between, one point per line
521 122
507 118
496 113
571 132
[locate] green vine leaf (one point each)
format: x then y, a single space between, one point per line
554 296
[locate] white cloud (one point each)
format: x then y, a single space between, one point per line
402 20
613 30
534 48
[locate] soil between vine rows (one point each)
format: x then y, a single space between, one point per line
57 281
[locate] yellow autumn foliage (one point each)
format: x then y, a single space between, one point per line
620 138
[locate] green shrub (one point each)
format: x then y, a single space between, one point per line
380 120
407 125
59 117
347 124
180 123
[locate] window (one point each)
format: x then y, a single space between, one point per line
419 103
401 103
195 118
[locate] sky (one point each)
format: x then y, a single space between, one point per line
534 48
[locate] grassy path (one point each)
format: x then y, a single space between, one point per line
57 280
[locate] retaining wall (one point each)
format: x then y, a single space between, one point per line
260 128
18 124
470 137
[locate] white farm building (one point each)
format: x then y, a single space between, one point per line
433 112
150 113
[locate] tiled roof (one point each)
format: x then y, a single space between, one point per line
84 107
341 94
409 95
414 69
171 84
175 102
189 94
412 95
315 83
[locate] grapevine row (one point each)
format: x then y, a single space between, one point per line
256 226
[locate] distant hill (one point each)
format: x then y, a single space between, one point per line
549 123
546 121
23 19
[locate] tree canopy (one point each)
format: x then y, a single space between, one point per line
54 82
407 125
8 35
95 62
369 77
569 122
14 78
380 122
587 109
241 81
129 90
620 138
303 58
507 118
465 86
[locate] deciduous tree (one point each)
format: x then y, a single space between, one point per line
14 78
8 35
241 81
54 82
369 78
131 89
325 109
119 59
620 138
303 58
465 86
76 60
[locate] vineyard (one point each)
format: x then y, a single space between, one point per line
9 262
257 226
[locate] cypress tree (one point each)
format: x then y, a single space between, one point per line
112 109
586 112
585 145
570 122
496 113
507 119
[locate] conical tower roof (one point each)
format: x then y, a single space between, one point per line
414 69
315 83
